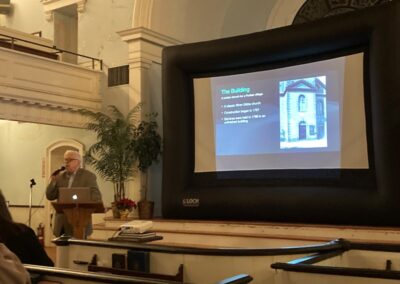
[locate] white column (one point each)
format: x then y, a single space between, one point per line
145 47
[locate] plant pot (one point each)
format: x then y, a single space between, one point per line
115 211
145 209
124 214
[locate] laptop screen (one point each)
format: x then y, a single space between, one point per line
75 195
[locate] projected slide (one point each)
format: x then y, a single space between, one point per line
273 115
287 118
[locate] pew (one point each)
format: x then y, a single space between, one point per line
70 276
178 277
194 264
354 263
65 276
335 262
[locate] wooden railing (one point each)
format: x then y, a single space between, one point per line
237 279
329 246
42 273
63 275
178 277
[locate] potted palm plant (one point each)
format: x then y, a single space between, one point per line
112 156
147 148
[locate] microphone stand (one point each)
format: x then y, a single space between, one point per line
30 201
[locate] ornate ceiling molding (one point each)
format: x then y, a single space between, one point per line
316 9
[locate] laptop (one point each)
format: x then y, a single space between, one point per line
75 195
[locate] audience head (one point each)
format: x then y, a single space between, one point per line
72 160
7 225
4 212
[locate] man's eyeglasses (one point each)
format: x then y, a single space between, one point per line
69 160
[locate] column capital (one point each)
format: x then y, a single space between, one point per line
145 43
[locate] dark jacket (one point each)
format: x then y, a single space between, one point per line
83 178
27 247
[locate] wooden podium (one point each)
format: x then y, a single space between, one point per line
78 215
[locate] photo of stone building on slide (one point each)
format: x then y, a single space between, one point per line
302 108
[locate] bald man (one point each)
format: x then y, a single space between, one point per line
73 176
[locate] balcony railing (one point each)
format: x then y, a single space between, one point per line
41 49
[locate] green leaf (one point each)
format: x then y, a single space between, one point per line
124 144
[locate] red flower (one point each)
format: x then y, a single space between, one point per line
126 203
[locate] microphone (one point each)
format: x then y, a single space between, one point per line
56 172
33 182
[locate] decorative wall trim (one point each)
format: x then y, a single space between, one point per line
137 63
36 113
50 5
25 206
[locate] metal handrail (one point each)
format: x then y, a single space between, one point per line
54 48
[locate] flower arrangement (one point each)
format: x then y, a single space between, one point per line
126 204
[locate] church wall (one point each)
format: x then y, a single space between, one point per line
187 21
28 17
23 152
192 21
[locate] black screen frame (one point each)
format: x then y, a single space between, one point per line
337 196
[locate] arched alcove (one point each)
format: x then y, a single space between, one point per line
55 152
